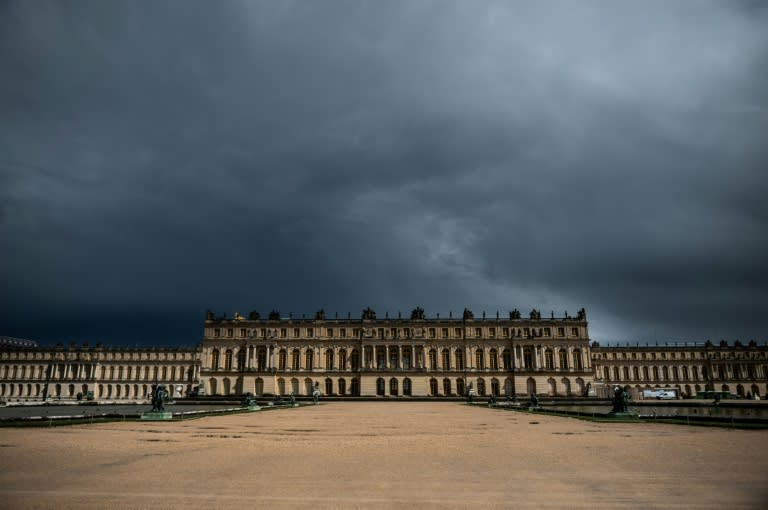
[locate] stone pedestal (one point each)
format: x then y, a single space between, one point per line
157 416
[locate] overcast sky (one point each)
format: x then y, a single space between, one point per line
161 158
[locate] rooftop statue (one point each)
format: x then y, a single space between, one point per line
254 316
320 315
417 313
369 314
468 315
274 315
514 314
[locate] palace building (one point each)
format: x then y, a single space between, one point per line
382 357
414 356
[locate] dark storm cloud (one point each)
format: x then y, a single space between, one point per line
157 160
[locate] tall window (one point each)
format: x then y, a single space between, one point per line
549 359
432 359
577 364
563 359
459 359
329 359
446 355
493 359
507 359
309 358
528 358
295 359
214 360
281 359
479 359
343 359
228 360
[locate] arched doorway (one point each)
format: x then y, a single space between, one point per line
328 385
446 386
566 386
433 387
342 384
380 389
393 386
552 391
495 387
530 386
258 386
355 387
406 386
460 390
481 387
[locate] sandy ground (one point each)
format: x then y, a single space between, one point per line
383 455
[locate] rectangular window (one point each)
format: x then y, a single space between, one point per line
343 332
574 331
296 333
547 332
492 332
444 332
283 332
527 332
505 332
393 332
356 332
329 332
242 332
230 332
310 332
478 332
407 332
457 332
381 332
216 332
431 332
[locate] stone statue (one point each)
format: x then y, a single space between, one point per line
320 315
468 315
254 316
620 400
369 314
248 400
417 313
582 315
274 315
514 314
158 397
209 315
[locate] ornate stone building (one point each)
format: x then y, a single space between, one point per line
690 368
414 356
392 357
29 372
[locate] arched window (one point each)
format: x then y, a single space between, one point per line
506 356
329 359
355 360
309 359
675 374
460 390
433 387
549 359
577 363
295 355
228 361
552 387
328 386
459 359
380 386
342 386
495 387
566 386
625 373
241 360
479 360
406 386
343 359
562 355
261 359
685 373
281 360
606 374
355 387
432 359
530 386
446 386
636 373
393 386
281 386
446 359
695 373
481 387
665 371
493 359
655 373
616 373
528 358
258 386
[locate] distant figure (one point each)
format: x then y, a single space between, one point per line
534 400
316 396
492 399
620 400
470 394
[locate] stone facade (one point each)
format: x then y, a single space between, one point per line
389 357
417 356
690 368
120 374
